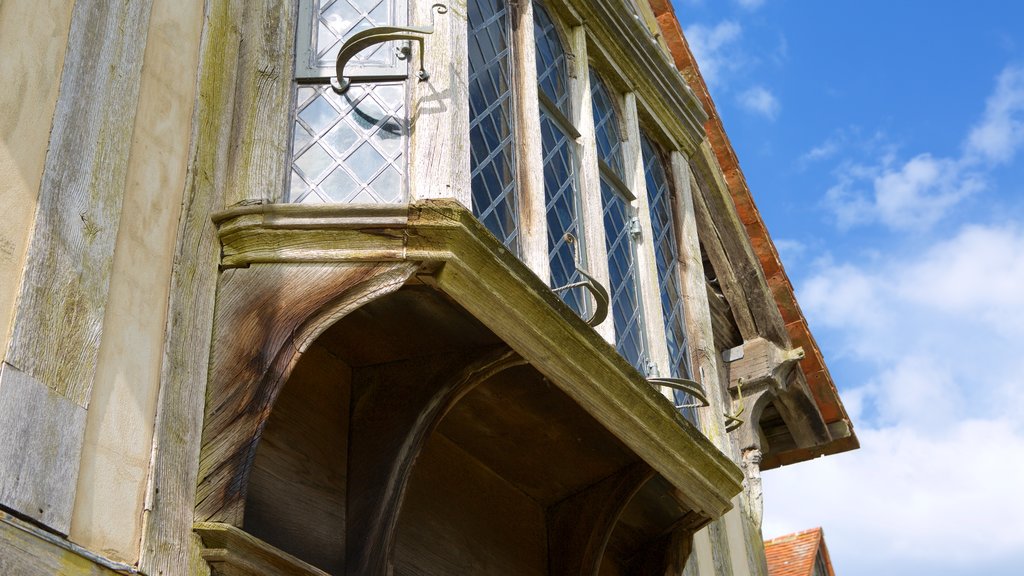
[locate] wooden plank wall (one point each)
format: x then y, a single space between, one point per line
51 359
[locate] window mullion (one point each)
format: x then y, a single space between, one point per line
530 168
591 207
647 268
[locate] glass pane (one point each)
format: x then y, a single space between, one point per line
336 20
492 157
625 300
666 255
561 208
350 147
606 126
552 67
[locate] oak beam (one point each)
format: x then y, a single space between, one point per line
395 407
580 526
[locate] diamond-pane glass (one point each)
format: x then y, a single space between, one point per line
349 148
666 255
561 209
492 156
336 20
552 67
625 300
606 126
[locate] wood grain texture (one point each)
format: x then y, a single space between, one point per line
267 315
30 551
513 303
395 408
67 273
439 140
736 246
579 526
232 552
55 335
591 208
699 335
260 126
530 157
167 524
303 453
40 441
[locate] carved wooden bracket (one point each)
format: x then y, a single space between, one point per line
267 315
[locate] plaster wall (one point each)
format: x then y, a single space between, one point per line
108 511
33 39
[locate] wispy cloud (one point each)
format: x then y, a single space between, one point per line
750 4
714 47
759 100
937 412
1001 131
917 193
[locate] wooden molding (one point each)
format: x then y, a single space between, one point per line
458 256
232 552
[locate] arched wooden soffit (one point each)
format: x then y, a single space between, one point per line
580 526
395 408
266 317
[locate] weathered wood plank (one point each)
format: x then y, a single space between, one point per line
170 496
580 526
591 209
439 143
56 332
40 441
395 407
530 157
267 315
30 551
260 125
736 245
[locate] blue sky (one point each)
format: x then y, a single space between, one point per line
884 145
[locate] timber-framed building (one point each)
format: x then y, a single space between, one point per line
374 287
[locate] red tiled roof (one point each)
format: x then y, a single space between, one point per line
794 554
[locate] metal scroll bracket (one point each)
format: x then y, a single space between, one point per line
592 285
377 35
691 387
733 421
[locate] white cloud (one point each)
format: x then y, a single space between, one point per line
918 193
938 412
1001 131
712 47
759 100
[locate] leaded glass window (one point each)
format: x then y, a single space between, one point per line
620 229
558 147
491 117
666 256
351 147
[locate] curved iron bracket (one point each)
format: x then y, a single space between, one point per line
595 288
377 35
733 421
691 387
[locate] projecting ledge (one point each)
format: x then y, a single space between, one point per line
457 256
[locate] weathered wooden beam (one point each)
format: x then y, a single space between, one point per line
736 245
580 526
439 146
231 552
56 331
26 550
495 287
395 407
170 494
267 315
